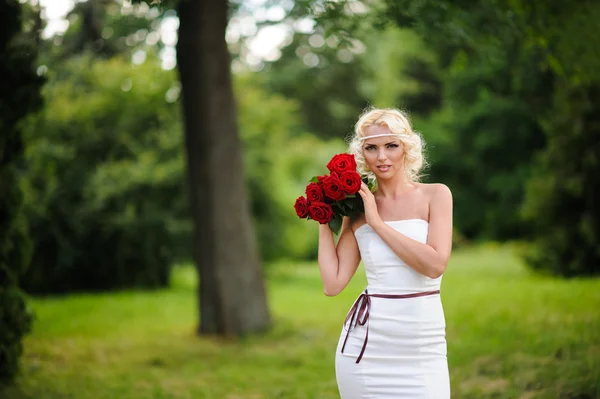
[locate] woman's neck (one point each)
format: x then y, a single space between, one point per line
395 187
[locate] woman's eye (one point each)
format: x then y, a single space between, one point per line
369 148
393 146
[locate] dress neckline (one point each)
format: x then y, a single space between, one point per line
393 221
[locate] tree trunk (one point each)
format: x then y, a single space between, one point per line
231 291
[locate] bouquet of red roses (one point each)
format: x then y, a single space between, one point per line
331 197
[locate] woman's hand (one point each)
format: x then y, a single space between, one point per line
371 214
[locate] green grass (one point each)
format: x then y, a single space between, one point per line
510 334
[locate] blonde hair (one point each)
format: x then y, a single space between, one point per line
399 124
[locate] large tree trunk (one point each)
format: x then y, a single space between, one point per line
231 291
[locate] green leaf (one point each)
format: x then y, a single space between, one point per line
335 224
345 211
315 179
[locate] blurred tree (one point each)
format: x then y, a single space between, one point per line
267 122
474 101
103 158
19 95
562 197
107 28
331 101
492 90
541 73
90 15
494 135
231 293
550 41
399 68
346 75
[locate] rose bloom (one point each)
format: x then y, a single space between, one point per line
314 192
321 212
341 163
333 188
301 207
351 182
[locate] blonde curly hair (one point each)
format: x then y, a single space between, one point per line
399 124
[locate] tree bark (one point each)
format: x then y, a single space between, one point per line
231 291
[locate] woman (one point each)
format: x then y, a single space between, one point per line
393 342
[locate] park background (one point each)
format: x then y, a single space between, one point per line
104 232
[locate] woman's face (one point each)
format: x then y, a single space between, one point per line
383 155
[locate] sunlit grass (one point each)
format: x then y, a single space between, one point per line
510 335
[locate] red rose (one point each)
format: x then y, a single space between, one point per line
333 188
321 212
351 182
314 192
342 163
301 207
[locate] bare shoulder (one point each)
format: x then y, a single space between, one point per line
439 198
442 191
436 190
440 203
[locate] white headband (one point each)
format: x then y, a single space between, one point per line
382 135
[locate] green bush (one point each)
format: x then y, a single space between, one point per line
103 183
106 188
481 142
19 95
562 202
15 317
279 159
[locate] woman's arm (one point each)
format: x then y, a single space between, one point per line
337 265
429 259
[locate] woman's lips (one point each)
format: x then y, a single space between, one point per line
384 168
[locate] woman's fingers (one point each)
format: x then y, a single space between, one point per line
364 190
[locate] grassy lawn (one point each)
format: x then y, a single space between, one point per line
510 335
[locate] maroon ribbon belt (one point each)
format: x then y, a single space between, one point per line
359 313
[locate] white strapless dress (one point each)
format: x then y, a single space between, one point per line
405 351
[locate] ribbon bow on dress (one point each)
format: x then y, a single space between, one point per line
359 313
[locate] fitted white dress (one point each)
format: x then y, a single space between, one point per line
393 347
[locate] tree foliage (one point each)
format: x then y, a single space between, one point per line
106 169
543 53
107 28
19 95
102 168
474 105
519 79
330 102
561 201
